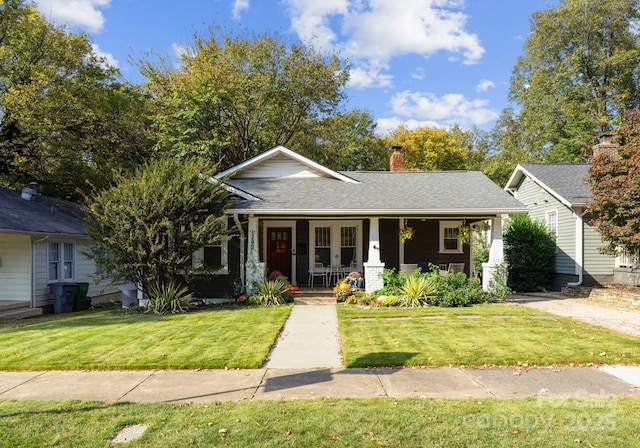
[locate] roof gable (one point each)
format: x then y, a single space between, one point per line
566 182
280 162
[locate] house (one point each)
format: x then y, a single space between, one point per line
291 213
41 243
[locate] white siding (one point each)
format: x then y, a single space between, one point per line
278 167
84 271
15 267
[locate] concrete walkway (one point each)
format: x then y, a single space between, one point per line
309 340
617 319
306 363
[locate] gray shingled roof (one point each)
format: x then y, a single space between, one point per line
39 215
382 192
565 179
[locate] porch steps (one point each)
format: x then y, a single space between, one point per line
314 296
18 310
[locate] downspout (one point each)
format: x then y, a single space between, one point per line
33 270
579 250
242 243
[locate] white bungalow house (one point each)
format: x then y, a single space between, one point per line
41 243
558 194
307 221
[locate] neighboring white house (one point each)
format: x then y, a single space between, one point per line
42 240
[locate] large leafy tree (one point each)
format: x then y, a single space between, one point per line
235 95
578 75
615 191
66 120
344 141
429 149
147 226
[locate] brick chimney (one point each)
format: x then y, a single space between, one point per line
606 147
396 163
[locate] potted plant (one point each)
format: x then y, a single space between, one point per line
354 279
405 233
464 233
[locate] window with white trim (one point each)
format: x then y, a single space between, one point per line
552 224
61 258
213 256
449 241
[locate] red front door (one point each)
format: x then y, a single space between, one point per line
279 250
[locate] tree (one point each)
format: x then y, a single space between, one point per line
615 189
148 225
530 251
65 119
429 149
577 77
344 141
234 96
506 148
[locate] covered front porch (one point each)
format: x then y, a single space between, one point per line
302 247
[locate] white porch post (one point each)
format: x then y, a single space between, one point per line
496 252
373 267
254 267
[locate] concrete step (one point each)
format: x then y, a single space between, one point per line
314 300
314 296
21 313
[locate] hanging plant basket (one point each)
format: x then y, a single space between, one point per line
464 233
405 233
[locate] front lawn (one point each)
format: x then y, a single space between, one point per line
374 422
481 335
234 338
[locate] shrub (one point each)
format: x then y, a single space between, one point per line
342 290
455 289
498 289
530 253
390 301
168 298
271 292
417 291
351 300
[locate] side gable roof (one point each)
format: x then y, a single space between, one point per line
565 181
39 215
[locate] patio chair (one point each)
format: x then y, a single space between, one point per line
456 267
318 270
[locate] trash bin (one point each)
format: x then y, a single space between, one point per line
80 299
128 294
63 296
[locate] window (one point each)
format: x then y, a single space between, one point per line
552 225
323 245
449 241
348 243
212 256
61 257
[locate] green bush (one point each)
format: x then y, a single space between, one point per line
455 289
417 291
530 250
270 292
390 301
168 298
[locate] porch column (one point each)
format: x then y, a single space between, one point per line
373 267
496 252
254 267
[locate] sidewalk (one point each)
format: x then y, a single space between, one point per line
306 363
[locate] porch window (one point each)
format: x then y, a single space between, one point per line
212 256
449 240
61 258
348 243
323 245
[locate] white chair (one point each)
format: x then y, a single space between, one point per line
336 272
318 270
456 267
408 267
353 266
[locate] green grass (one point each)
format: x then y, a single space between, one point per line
381 340
328 422
234 338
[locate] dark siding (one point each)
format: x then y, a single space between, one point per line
389 243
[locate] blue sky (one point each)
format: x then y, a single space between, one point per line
414 62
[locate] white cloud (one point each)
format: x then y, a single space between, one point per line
448 109
378 30
108 57
387 125
484 85
238 7
362 78
77 13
